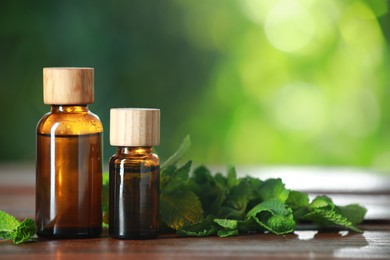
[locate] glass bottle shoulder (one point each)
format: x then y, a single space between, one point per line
126 159
70 121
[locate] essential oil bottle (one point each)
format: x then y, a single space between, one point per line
69 157
134 173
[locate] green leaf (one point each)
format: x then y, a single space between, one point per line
234 207
173 180
105 198
229 227
324 213
210 193
249 225
227 233
176 157
255 185
326 218
204 228
11 228
180 209
24 232
165 176
8 223
273 189
299 203
354 213
232 177
105 178
221 181
274 216
297 199
322 202
202 175
226 223
5 235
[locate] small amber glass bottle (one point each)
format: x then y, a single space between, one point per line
69 157
134 173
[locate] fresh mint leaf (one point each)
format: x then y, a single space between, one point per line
24 232
202 175
221 181
249 225
8 223
229 227
204 228
5 235
180 209
299 203
273 189
13 229
324 213
353 212
322 202
255 185
177 156
165 176
230 224
297 199
227 233
210 192
232 177
232 227
327 217
174 179
274 216
105 198
234 207
105 178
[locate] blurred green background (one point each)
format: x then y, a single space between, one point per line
252 81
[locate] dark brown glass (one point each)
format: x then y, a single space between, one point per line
69 173
134 193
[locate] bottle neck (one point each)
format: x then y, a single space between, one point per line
134 150
70 108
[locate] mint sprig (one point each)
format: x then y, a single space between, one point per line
323 212
13 229
233 206
200 203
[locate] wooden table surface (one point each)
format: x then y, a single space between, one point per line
343 185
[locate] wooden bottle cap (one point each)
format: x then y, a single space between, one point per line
68 86
134 126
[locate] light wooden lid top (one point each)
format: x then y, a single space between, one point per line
134 126
68 86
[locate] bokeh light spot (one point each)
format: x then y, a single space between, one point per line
382 161
289 26
362 34
357 114
300 106
257 10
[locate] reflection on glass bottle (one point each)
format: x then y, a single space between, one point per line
134 174
69 157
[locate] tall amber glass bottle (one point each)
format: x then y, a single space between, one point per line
69 157
134 174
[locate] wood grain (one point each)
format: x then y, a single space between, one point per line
68 86
134 127
300 245
17 197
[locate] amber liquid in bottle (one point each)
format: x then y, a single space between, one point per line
69 173
134 193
